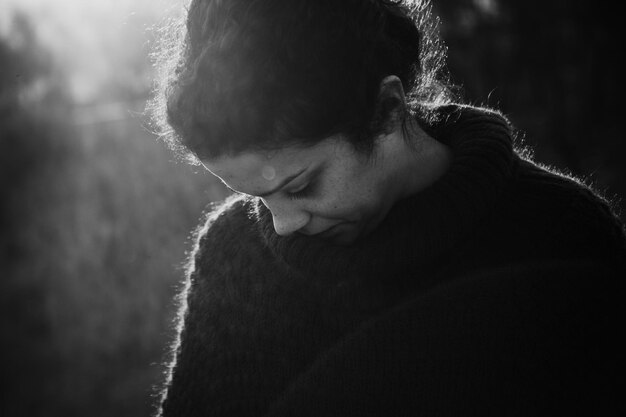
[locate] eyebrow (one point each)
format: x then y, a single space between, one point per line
284 182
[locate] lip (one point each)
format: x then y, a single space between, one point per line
330 232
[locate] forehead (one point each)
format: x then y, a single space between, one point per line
266 164
254 172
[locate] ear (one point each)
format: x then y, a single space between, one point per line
391 104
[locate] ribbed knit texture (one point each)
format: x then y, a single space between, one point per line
259 310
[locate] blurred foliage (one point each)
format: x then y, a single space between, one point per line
96 216
95 221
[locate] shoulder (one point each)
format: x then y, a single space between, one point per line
553 187
578 215
225 215
226 229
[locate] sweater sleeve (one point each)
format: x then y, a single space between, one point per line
523 339
214 352
192 347
246 325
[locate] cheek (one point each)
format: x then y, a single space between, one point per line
352 203
349 194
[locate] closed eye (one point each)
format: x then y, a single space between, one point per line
305 191
309 186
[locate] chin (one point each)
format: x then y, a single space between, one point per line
343 240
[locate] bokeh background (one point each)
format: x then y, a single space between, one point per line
96 213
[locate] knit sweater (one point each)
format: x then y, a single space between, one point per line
452 306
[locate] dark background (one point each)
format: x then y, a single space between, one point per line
96 214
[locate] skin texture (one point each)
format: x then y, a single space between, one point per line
330 189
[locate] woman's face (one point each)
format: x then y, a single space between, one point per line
329 190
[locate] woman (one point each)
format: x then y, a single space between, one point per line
388 252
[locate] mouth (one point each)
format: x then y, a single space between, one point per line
328 233
335 232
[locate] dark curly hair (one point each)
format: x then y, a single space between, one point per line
264 74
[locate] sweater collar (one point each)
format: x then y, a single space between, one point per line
420 229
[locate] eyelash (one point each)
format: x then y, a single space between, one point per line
300 194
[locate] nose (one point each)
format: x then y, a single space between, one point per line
287 217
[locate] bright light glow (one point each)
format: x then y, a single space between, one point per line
96 43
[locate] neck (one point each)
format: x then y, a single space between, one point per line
419 160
